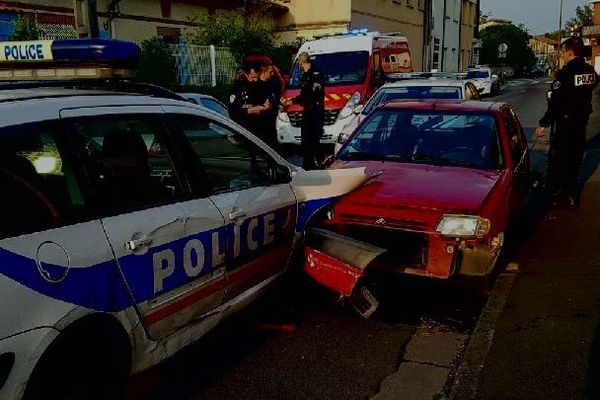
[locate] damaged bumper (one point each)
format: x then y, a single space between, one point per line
337 262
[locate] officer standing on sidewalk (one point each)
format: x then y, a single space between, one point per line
312 99
569 108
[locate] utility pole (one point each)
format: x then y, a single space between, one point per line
93 18
560 34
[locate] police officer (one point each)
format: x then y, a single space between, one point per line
272 89
249 101
569 109
312 99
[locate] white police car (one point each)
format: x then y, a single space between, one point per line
133 221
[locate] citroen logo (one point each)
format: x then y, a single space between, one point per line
380 221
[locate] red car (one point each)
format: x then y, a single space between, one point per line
449 178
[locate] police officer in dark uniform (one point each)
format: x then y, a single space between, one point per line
569 109
312 99
249 101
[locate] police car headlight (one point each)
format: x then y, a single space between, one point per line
463 226
348 109
283 117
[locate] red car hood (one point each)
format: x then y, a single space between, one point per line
417 191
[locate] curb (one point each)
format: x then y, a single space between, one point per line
474 357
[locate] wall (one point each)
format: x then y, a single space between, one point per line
467 33
445 36
405 16
307 18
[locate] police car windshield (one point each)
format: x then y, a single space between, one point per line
426 137
413 93
478 74
346 68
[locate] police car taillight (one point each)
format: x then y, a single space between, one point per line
68 59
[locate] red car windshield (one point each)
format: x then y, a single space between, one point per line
428 137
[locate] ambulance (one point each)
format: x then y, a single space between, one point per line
355 64
133 222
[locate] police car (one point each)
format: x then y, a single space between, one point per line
485 80
133 221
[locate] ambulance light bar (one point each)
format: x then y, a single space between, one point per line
68 59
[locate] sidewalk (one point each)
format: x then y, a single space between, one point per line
546 342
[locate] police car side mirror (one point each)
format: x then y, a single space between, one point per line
358 109
282 174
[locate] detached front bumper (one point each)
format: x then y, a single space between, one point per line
339 261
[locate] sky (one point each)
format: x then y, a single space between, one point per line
539 16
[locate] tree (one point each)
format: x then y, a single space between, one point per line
25 28
519 55
584 17
156 63
244 31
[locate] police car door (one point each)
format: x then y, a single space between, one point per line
253 192
169 246
54 256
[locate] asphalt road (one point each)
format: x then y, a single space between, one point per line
331 353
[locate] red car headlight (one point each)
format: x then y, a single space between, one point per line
463 226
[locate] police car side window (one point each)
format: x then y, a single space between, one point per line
129 164
39 186
230 160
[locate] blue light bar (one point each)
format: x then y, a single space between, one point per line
96 50
81 51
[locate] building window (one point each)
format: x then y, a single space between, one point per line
170 35
165 8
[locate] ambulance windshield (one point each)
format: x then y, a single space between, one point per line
345 68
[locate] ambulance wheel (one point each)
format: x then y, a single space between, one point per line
74 367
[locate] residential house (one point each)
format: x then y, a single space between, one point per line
444 44
591 35
545 50
487 22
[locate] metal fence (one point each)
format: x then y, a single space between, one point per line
203 65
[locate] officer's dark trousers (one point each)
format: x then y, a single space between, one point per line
310 142
567 153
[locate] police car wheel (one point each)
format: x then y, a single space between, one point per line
93 368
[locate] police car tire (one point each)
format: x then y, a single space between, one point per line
77 368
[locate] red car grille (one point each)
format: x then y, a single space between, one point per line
386 222
404 249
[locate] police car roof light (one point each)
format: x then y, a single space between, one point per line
89 50
68 59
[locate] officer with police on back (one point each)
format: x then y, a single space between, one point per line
312 99
569 109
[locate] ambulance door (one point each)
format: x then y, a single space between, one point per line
254 195
170 246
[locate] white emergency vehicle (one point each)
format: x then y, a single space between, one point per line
133 221
354 64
